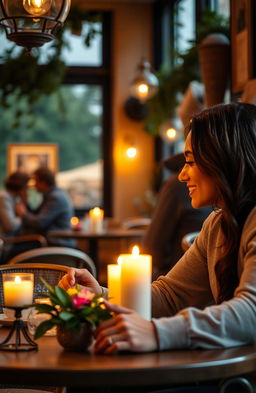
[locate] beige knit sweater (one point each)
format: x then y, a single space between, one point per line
184 301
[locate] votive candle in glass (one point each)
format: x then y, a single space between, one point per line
18 289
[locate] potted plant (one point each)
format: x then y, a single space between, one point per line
75 313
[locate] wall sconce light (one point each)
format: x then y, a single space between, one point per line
170 131
144 85
131 150
31 23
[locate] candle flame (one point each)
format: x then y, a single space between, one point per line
135 251
119 260
17 279
96 211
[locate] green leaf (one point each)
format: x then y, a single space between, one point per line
63 296
43 328
44 308
66 316
48 286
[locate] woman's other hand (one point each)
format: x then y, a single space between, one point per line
82 277
126 331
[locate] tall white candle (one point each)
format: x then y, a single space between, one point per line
114 284
96 220
18 289
136 273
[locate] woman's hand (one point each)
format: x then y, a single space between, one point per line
126 331
82 277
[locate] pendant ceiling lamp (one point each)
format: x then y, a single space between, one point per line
31 23
144 83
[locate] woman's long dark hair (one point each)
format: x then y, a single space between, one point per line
223 140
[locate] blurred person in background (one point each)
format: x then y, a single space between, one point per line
15 191
54 213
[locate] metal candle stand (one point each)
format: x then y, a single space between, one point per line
18 329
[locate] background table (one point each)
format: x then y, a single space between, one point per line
93 238
50 365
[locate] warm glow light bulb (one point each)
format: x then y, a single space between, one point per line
143 90
37 7
131 152
171 133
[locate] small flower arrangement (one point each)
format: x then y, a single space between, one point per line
70 309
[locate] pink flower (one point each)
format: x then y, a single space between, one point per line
88 295
79 302
83 297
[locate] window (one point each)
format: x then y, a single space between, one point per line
76 117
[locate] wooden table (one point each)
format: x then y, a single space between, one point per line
50 365
94 238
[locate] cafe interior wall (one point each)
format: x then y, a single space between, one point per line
132 38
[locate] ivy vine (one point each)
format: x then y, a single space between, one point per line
172 82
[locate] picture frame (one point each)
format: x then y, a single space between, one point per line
241 43
27 157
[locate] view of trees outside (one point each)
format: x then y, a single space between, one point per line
72 119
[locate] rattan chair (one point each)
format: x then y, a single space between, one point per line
52 274
57 255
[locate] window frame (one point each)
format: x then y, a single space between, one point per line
101 76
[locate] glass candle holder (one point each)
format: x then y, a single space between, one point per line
18 289
34 319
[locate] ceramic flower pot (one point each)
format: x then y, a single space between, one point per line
75 340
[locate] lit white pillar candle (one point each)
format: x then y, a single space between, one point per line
18 289
96 220
114 283
136 274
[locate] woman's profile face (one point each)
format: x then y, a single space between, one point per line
201 186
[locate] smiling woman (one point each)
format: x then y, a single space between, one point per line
219 267
202 189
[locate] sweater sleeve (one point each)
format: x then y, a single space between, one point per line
231 323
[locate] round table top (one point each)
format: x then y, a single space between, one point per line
51 365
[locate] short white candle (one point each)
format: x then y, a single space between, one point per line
114 283
136 275
18 289
96 220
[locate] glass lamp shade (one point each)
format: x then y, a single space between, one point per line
144 83
31 23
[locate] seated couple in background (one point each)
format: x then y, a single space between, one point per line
208 299
17 217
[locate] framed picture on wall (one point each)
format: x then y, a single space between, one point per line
29 157
241 40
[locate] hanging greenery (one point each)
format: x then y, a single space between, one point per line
173 82
22 77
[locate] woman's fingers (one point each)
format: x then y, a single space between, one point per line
138 334
117 309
